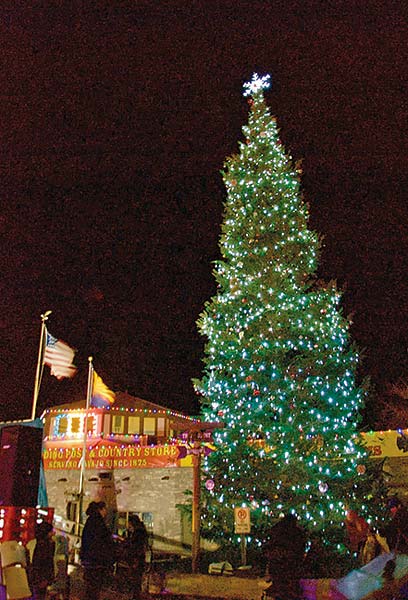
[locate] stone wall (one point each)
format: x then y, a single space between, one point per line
156 491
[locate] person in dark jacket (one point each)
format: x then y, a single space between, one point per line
134 554
97 550
284 552
396 531
41 570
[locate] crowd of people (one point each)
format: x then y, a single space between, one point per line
284 551
367 543
99 554
286 556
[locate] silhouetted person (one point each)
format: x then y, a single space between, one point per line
97 550
41 570
284 552
134 554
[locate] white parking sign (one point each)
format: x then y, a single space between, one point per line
242 520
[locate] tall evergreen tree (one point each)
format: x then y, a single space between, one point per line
279 365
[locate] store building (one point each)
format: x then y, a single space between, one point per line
139 459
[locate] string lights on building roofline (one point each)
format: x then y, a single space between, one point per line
112 409
113 437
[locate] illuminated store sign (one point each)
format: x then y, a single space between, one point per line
111 455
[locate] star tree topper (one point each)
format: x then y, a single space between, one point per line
257 84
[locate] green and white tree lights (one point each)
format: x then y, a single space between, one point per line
279 366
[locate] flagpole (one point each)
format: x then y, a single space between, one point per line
37 382
83 458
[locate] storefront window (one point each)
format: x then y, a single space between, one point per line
75 425
123 520
161 427
72 508
147 518
149 426
61 425
118 423
134 425
90 424
106 423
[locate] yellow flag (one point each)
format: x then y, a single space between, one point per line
102 396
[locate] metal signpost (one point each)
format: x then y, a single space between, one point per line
242 525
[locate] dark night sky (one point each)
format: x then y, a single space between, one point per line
116 118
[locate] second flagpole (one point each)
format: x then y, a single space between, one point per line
84 444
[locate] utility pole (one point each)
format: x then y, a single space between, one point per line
196 433
196 507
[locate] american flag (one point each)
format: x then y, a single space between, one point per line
59 357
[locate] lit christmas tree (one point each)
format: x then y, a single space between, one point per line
279 365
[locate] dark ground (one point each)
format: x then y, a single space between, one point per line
182 586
